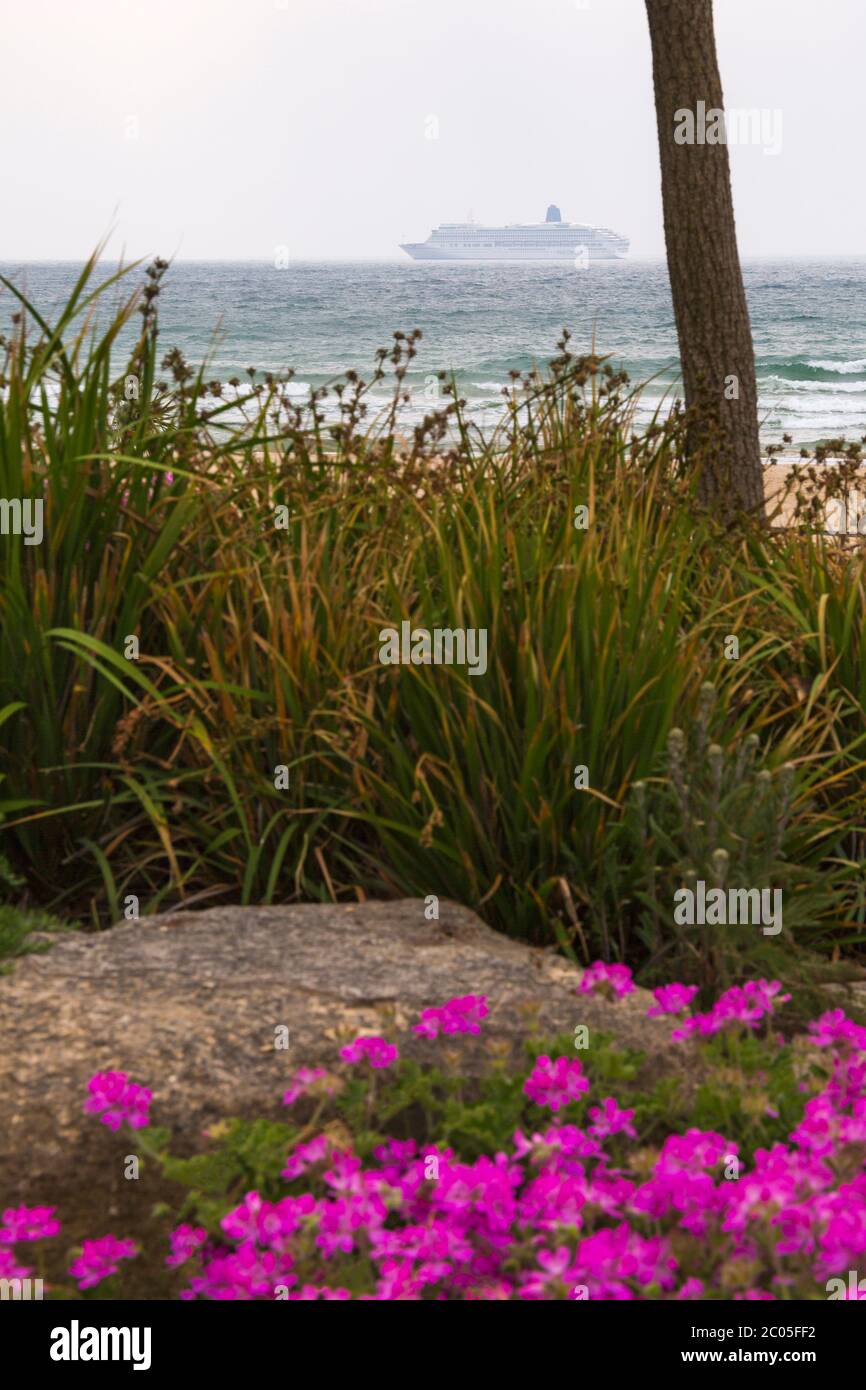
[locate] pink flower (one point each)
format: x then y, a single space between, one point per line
185 1240
609 1119
267 1223
779 1181
693 1151
691 1289
555 1274
9 1267
615 979
560 1148
612 1255
28 1223
679 1185
306 1080
120 1098
98 1259
498 1292
834 1028
746 1004
400 1151
460 1015
345 1174
374 1050
305 1156
243 1274
671 999
550 1217
311 1292
399 1282
343 1218
556 1083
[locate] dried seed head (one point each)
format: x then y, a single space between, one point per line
720 860
706 700
677 747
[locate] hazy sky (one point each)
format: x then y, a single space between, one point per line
227 128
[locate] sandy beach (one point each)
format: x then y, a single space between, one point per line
777 476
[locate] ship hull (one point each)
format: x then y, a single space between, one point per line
423 251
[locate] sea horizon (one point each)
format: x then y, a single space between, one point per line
323 317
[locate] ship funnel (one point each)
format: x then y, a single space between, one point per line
553 214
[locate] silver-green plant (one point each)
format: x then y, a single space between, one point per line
724 817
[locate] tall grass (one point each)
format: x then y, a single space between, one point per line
256 547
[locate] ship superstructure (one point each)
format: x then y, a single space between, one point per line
550 240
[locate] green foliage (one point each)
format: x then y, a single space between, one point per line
721 816
258 648
249 1157
16 927
751 1091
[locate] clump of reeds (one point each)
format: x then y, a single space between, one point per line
255 545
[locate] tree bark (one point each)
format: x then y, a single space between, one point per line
712 317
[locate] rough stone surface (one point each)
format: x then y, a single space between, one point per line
187 1004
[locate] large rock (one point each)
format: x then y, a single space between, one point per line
188 1002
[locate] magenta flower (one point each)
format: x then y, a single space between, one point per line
185 1241
613 979
345 1173
243 1274
498 1292
820 1129
267 1223
747 1004
608 1119
120 1099
612 1255
28 1223
559 1149
833 1029
691 1289
399 1151
459 1015
555 1273
342 1219
780 1180
693 1151
306 1080
305 1156
98 1259
311 1292
10 1268
671 999
374 1050
551 1216
398 1281
555 1084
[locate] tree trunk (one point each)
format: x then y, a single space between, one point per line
718 359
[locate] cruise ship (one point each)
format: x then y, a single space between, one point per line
550 240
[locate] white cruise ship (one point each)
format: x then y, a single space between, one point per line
550 240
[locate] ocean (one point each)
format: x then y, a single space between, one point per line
484 320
